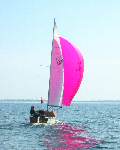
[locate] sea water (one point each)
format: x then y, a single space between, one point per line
83 125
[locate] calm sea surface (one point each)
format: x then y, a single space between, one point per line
84 125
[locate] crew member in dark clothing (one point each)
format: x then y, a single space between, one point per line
41 100
34 115
32 111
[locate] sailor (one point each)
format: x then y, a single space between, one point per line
41 100
32 111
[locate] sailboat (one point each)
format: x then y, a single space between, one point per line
66 73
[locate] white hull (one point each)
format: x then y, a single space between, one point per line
45 121
51 121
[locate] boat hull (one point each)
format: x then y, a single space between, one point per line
42 116
42 120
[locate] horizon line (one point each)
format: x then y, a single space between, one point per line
99 100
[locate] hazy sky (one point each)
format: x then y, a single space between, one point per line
25 44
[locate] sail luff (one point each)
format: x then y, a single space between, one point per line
56 72
50 63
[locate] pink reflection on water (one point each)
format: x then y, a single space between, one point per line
67 137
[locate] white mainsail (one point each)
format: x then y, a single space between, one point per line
56 72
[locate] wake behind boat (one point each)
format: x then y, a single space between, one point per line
66 73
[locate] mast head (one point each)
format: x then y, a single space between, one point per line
54 21
54 24
55 30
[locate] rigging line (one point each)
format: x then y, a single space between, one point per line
45 66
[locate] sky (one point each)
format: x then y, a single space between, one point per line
26 40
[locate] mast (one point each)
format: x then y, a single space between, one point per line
53 30
56 72
50 63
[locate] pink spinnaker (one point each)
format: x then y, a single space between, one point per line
73 70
